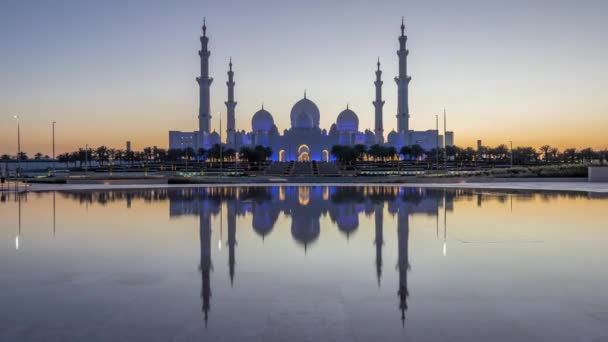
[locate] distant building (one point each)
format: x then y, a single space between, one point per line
128 146
305 140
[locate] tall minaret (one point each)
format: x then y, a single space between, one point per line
403 233
230 105
378 104
204 82
403 80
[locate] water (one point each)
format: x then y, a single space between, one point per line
303 264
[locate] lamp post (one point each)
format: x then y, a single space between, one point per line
18 172
53 148
437 142
86 159
511 142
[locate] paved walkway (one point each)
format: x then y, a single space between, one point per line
542 186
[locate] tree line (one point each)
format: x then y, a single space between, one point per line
104 155
500 154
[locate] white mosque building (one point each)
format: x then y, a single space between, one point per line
305 140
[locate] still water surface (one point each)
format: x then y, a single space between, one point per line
299 263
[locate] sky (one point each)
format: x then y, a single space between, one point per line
531 72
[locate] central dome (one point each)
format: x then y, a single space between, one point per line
307 107
347 121
262 121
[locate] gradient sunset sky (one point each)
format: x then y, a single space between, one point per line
535 72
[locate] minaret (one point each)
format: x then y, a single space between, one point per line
403 232
230 105
204 82
378 104
403 80
379 241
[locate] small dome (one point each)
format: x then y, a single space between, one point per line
392 137
262 121
347 121
305 106
214 138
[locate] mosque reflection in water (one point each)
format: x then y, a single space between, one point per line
305 206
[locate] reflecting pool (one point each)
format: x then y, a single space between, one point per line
303 263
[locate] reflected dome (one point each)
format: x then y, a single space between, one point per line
305 230
264 218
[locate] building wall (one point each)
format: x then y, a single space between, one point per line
182 140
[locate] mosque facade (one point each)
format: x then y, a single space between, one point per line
305 139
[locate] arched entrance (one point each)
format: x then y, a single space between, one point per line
326 156
304 157
303 153
282 155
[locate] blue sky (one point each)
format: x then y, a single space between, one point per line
109 71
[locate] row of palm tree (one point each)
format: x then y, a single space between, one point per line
104 155
493 155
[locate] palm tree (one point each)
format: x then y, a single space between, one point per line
200 153
389 152
64 158
417 151
375 151
554 153
570 154
101 154
119 155
406 151
545 150
500 152
147 153
588 154
360 150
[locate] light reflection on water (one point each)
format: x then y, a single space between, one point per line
343 263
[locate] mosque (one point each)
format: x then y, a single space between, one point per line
305 140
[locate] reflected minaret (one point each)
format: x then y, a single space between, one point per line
403 232
378 104
230 106
205 264
379 241
231 237
403 81
204 82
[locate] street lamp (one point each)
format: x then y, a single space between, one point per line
16 117
511 142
